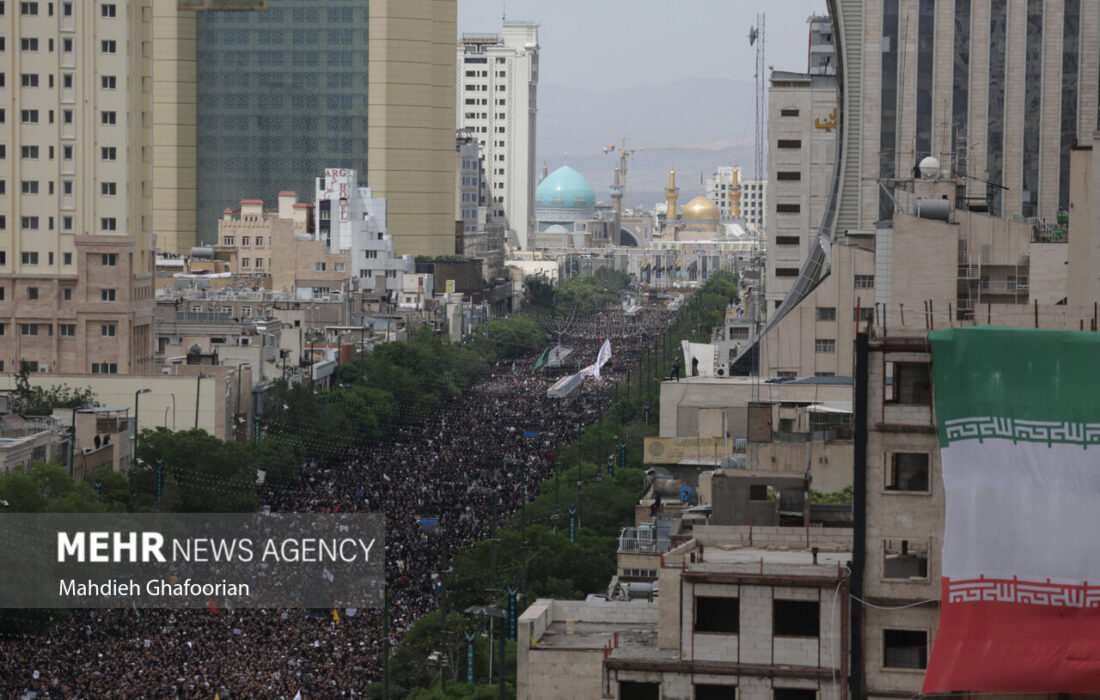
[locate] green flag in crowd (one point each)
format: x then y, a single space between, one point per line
541 361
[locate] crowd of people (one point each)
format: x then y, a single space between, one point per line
450 467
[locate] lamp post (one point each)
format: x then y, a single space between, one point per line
198 388
137 416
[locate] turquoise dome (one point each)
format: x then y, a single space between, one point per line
565 188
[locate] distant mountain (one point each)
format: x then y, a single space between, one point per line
576 124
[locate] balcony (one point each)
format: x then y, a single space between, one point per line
641 540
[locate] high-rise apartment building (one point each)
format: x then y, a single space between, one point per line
76 259
724 189
982 105
281 95
754 204
411 123
175 117
496 102
801 150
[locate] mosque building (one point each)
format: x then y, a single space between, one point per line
564 203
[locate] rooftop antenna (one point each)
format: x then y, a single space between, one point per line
503 11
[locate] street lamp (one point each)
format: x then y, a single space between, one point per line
137 397
198 388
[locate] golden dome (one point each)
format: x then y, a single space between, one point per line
701 209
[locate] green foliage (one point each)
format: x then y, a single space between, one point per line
210 475
843 496
41 401
48 488
539 292
411 671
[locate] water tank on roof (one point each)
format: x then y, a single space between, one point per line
937 209
202 252
929 168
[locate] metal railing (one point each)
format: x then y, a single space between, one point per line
636 541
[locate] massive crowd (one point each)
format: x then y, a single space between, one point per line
448 467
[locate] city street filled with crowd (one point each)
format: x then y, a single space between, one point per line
451 466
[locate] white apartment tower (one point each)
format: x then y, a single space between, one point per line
497 92
754 204
724 189
76 262
351 220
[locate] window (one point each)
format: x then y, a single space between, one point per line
864 281
28 258
259 241
259 262
788 112
717 615
715 692
907 471
796 618
905 559
108 82
863 314
109 189
104 368
67 293
108 46
824 345
108 153
632 690
67 80
905 648
108 223
336 267
28 329
67 330
108 118
29 80
106 295
788 175
227 240
1 294
67 152
788 208
786 240
911 383
786 272
67 9
28 44
825 313
319 267
107 330
29 186
67 116
67 258
67 46
107 10
758 492
28 116
789 143
29 152
28 8
793 694
246 240
245 262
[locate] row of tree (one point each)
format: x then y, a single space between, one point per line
599 477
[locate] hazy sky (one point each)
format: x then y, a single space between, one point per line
601 44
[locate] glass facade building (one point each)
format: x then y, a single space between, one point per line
282 94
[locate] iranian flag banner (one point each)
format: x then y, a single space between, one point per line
1018 414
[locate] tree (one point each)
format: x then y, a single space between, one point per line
38 401
213 476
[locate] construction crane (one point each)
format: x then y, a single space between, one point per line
619 188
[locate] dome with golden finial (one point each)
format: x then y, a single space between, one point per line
701 214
